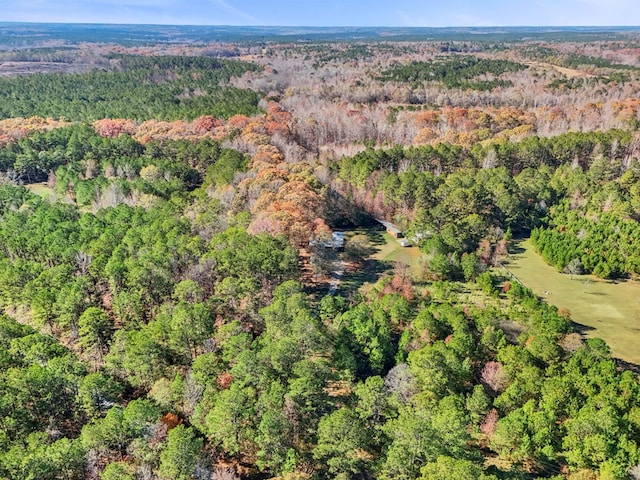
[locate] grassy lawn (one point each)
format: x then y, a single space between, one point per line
47 193
385 250
42 190
602 308
391 251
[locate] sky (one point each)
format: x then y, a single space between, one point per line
401 13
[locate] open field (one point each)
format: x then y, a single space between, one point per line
43 190
391 251
568 72
602 308
385 251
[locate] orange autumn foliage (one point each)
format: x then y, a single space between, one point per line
110 128
171 420
206 123
224 380
12 129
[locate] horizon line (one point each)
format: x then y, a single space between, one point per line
30 22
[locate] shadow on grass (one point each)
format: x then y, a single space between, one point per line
516 249
510 260
622 365
580 328
369 273
598 294
363 251
376 237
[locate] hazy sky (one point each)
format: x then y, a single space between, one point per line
415 13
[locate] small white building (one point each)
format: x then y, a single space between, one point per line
338 240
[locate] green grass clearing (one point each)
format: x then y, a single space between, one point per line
391 251
385 251
607 310
43 190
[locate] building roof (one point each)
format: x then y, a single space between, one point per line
389 226
336 241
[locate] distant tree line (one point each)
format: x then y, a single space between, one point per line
453 72
135 87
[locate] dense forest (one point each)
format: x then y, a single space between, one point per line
454 72
172 307
139 88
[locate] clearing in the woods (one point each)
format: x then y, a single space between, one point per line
385 253
601 308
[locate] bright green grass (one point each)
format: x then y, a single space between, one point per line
385 250
47 193
607 310
391 251
42 190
